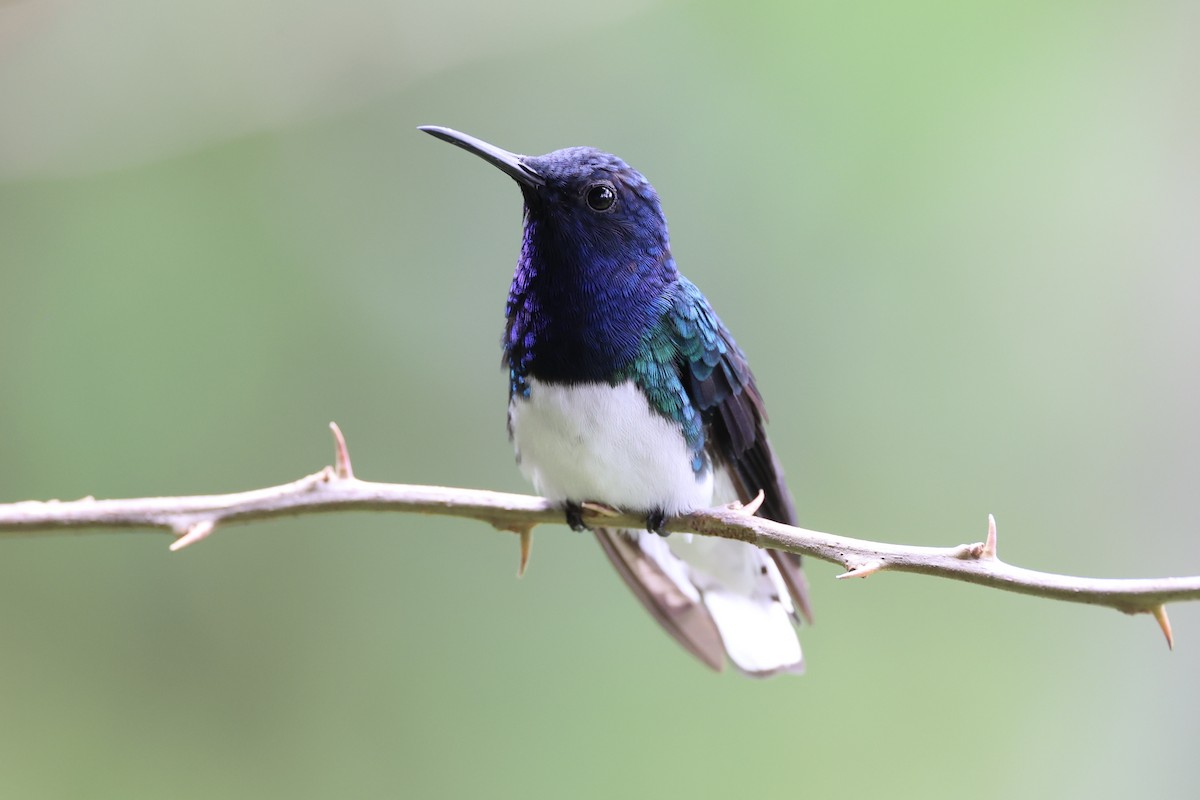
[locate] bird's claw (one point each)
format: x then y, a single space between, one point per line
574 515
655 521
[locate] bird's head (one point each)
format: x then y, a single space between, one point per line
586 210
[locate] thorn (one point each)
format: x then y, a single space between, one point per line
193 534
526 535
751 508
1160 614
341 456
989 546
525 532
600 508
863 570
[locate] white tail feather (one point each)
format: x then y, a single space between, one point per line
757 632
744 593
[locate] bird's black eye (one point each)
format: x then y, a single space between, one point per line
601 197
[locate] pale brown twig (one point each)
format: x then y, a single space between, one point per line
193 518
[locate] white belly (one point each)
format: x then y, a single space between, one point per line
604 443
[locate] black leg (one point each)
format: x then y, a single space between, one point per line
655 521
574 513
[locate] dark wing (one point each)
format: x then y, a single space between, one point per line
718 381
687 620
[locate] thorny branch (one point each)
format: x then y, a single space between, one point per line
335 488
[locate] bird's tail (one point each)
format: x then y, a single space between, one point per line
747 616
758 633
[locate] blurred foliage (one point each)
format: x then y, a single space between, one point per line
959 242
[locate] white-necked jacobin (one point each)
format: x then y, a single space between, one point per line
625 389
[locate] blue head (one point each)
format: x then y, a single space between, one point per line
595 271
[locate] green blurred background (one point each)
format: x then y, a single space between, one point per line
959 241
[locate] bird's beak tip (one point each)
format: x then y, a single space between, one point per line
512 164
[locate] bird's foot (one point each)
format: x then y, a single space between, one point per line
655 521
574 515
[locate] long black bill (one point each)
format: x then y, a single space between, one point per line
512 163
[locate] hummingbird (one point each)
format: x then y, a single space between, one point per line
625 389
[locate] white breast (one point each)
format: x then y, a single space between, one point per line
605 443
